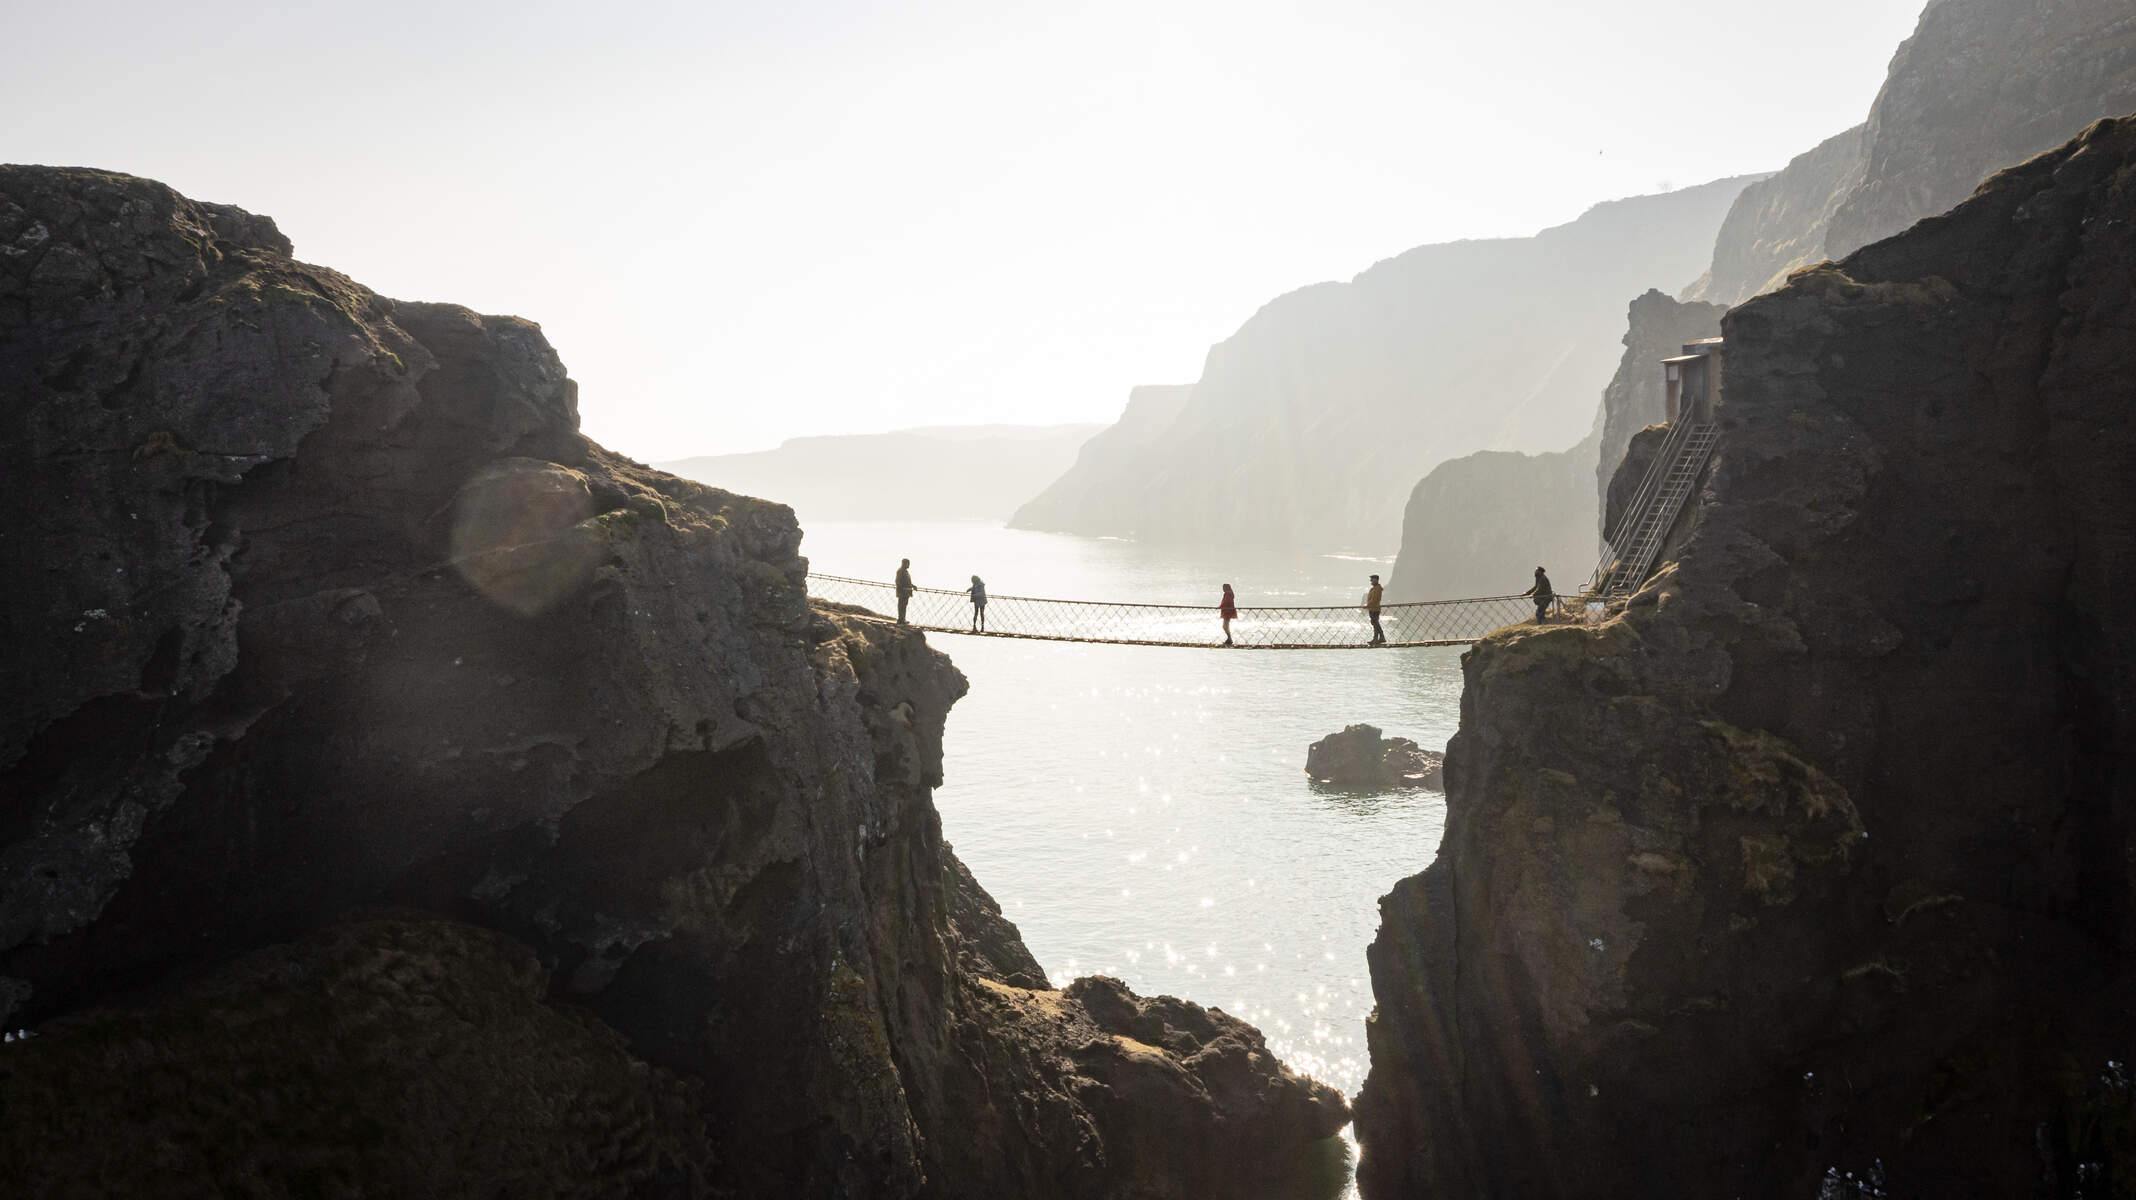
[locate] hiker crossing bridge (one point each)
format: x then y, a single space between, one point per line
1679 465
1433 623
1634 545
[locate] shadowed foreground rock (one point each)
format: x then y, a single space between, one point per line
1819 858
1360 760
320 604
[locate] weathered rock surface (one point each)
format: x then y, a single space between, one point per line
1360 759
1310 426
1981 85
1822 855
321 602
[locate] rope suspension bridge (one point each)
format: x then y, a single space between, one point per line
1435 623
1634 545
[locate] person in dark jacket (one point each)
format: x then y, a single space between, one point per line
978 594
904 587
1372 610
1228 609
1544 597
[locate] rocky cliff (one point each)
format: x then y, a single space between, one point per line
1981 85
1810 872
397 788
1480 524
1311 424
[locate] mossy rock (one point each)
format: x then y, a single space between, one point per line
386 1057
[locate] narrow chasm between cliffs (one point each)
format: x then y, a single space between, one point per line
401 794
1810 872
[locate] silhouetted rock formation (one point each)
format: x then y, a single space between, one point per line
1359 759
1310 425
1479 525
1981 85
1819 855
321 602
940 472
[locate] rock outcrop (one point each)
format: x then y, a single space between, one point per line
322 607
1817 859
1478 525
1360 759
1312 423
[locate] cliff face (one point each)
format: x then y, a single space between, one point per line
1480 524
323 607
1981 85
1309 426
1638 395
1819 856
945 472
1088 493
1779 224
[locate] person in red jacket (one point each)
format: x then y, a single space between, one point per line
1228 609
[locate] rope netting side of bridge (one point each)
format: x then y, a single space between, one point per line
1433 623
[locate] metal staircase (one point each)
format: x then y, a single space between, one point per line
1646 522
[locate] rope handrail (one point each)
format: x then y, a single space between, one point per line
1202 608
1415 623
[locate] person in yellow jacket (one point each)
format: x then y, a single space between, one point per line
1372 607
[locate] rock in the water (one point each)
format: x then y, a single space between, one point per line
1818 857
1359 759
320 602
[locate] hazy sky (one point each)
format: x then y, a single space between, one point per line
741 222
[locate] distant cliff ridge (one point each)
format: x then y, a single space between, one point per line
404 795
1309 426
946 472
1981 85
1810 872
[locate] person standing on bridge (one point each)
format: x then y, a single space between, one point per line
978 594
1543 596
904 587
1228 609
1372 609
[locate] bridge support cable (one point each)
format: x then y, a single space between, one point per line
1435 623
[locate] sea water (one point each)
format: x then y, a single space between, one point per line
1144 812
